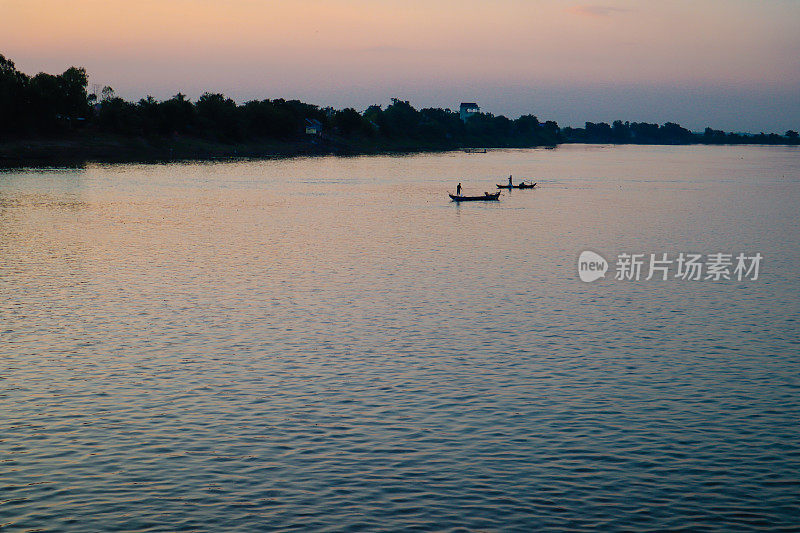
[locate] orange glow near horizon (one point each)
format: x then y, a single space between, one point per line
552 40
250 48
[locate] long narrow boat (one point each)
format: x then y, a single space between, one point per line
486 197
520 186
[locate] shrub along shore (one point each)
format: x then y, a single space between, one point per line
51 119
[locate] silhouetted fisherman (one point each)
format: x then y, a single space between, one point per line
509 182
458 190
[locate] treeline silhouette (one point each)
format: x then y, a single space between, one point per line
216 117
42 104
669 133
57 105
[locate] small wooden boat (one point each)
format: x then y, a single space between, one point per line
522 185
487 196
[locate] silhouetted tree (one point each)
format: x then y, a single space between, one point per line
348 121
75 100
218 117
115 115
14 98
177 115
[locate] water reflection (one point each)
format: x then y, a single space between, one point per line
21 202
319 343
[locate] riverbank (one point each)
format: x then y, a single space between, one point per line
86 147
105 148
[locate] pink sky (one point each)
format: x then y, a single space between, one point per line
731 64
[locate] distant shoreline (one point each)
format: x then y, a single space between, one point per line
82 148
52 120
106 148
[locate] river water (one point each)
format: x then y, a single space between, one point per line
330 344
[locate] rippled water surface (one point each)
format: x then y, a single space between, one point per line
331 344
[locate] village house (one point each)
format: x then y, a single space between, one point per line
313 126
468 109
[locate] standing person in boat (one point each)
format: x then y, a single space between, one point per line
509 182
458 189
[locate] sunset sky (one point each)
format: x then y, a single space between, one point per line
731 64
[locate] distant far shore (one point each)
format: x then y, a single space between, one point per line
104 148
84 147
89 147
51 119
